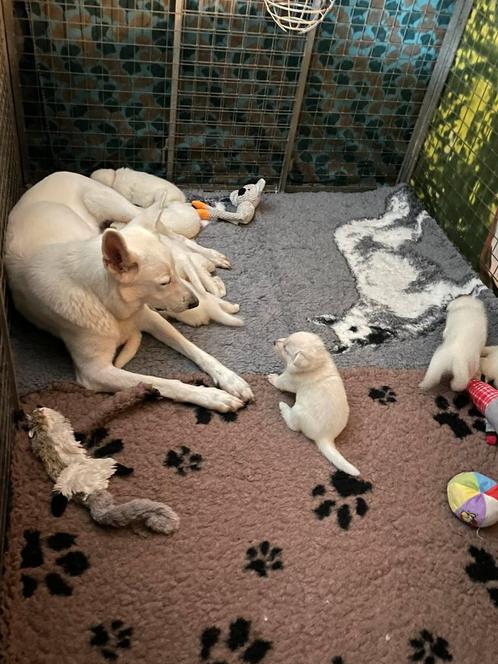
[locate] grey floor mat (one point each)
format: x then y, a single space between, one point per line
286 269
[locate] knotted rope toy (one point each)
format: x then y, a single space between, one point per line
78 476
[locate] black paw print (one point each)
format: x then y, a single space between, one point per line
383 395
183 461
238 641
72 563
264 558
451 415
204 416
428 649
347 487
110 638
99 443
483 570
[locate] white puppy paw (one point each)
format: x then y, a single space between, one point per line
272 379
288 416
285 409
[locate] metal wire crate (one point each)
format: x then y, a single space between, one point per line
456 174
10 188
210 92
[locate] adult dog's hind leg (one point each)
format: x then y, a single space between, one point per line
128 351
106 204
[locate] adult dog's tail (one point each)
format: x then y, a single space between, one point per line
330 452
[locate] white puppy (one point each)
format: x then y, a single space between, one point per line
464 337
321 410
489 363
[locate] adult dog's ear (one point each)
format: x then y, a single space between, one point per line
300 361
117 259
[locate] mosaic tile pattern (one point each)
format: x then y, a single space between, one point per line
457 175
371 64
96 78
238 79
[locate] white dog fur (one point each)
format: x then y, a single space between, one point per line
464 337
195 264
144 189
489 363
96 291
321 410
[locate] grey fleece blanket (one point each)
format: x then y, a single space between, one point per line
370 272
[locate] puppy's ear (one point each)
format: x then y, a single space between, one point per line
117 259
300 361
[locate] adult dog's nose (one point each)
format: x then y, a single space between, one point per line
194 303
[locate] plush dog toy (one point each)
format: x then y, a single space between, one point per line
79 476
239 208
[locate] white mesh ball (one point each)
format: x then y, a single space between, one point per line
298 15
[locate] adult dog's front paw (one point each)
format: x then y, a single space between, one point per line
236 385
219 400
219 259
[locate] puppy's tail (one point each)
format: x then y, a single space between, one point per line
330 452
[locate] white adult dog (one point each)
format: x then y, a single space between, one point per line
97 291
321 410
464 337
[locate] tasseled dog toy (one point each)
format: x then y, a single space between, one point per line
80 477
485 399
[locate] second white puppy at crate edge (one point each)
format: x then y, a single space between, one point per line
321 410
464 337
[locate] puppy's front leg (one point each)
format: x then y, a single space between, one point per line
282 382
161 329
